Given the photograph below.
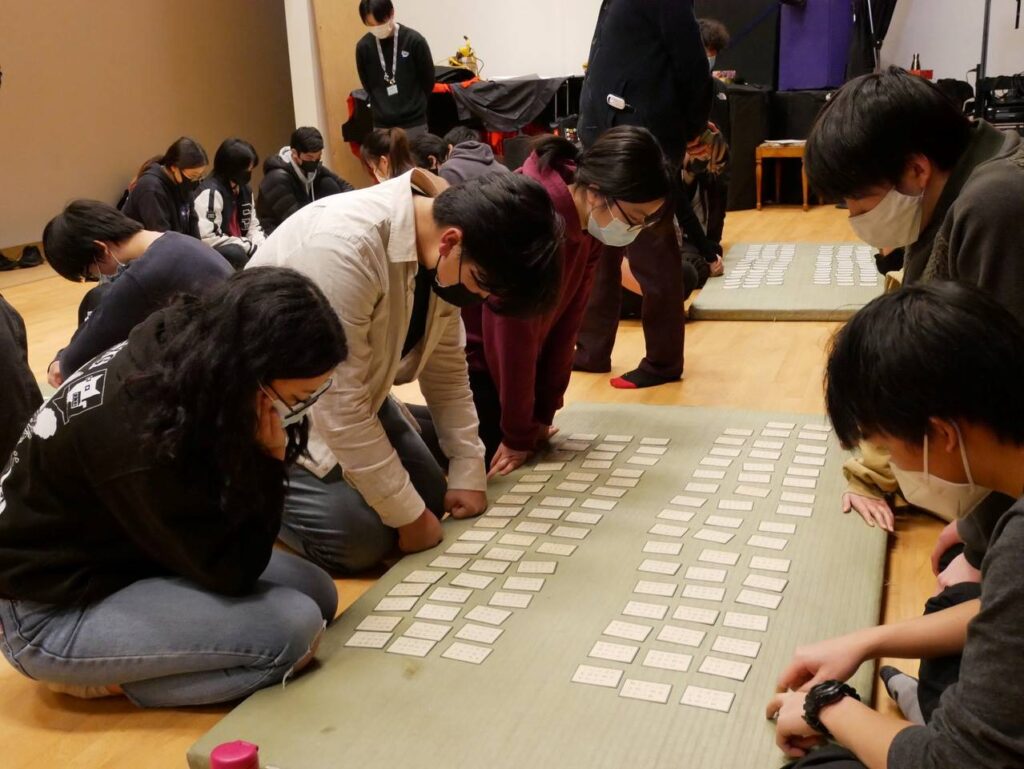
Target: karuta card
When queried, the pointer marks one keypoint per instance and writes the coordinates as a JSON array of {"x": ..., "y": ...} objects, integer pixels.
[
  {"x": 451, "y": 595},
  {"x": 475, "y": 535},
  {"x": 708, "y": 699},
  {"x": 695, "y": 614},
  {"x": 491, "y": 523},
  {"x": 799, "y": 498},
  {"x": 704, "y": 592},
  {"x": 667, "y": 660},
  {"x": 645, "y": 610},
  {"x": 663, "y": 548},
  {"x": 532, "y": 527},
  {"x": 705, "y": 574},
  {"x": 710, "y": 535},
  {"x": 769, "y": 564},
  {"x": 753, "y": 491},
  {"x": 625, "y": 472},
  {"x": 684, "y": 501},
  {"x": 649, "y": 587},
  {"x": 556, "y": 548},
  {"x": 536, "y": 478},
  {"x": 614, "y": 652},
  {"x": 408, "y": 588},
  {"x": 413, "y": 647},
  {"x": 428, "y": 630},
  {"x": 738, "y": 431},
  {"x": 505, "y": 554},
  {"x": 667, "y": 530},
  {"x": 570, "y": 532},
  {"x": 517, "y": 540},
  {"x": 511, "y": 600},
  {"x": 475, "y": 581},
  {"x": 618, "y": 438},
  {"x": 582, "y": 477},
  {"x": 774, "y": 527},
  {"x": 597, "y": 676},
  {"x": 578, "y": 517},
  {"x": 631, "y": 631},
  {"x": 424, "y": 576},
  {"x": 721, "y": 557},
  {"x": 762, "y": 582},
  {"x": 681, "y": 635},
  {"x": 668, "y": 514},
  {"x": 549, "y": 467},
  {"x": 756, "y": 598},
  {"x": 771, "y": 543},
  {"x": 375, "y": 623},
  {"x": 558, "y": 501},
  {"x": 462, "y": 652},
  {"x": 363, "y": 639},
  {"x": 529, "y": 584},
  {"x": 738, "y": 646},
  {"x": 395, "y": 604},
  {"x": 716, "y": 666},
  {"x": 504, "y": 512},
  {"x": 641, "y": 460},
  {"x": 592, "y": 464},
  {"x": 488, "y": 615},
  {"x": 438, "y": 612},
  {"x": 741, "y": 621},
  {"x": 795, "y": 510},
  {"x": 712, "y": 475},
  {"x": 513, "y": 499},
  {"x": 648, "y": 691},
  {"x": 537, "y": 567},
  {"x": 716, "y": 462},
  {"x": 479, "y": 633},
  {"x": 488, "y": 566},
  {"x": 655, "y": 441},
  {"x": 700, "y": 488},
  {"x": 623, "y": 483},
  {"x": 653, "y": 566},
  {"x": 599, "y": 504}
]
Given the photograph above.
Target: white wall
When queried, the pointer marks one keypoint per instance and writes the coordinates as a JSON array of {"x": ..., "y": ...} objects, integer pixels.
[
  {"x": 544, "y": 37},
  {"x": 304, "y": 60},
  {"x": 947, "y": 34}
]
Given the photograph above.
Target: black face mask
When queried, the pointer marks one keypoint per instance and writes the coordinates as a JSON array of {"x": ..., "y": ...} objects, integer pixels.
[
  {"x": 187, "y": 186},
  {"x": 456, "y": 294},
  {"x": 242, "y": 178},
  {"x": 309, "y": 166}
]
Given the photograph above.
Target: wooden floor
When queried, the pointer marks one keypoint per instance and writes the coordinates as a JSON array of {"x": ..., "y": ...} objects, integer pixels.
[{"x": 743, "y": 365}]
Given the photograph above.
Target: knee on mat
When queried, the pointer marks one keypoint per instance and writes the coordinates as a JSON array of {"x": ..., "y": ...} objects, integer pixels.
[
  {"x": 321, "y": 588},
  {"x": 354, "y": 550},
  {"x": 298, "y": 623}
]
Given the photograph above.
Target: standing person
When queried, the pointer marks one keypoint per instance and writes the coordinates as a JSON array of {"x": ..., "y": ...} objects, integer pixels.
[
  {"x": 21, "y": 393},
  {"x": 227, "y": 217},
  {"x": 93, "y": 241},
  {"x": 396, "y": 69},
  {"x": 140, "y": 509},
  {"x": 295, "y": 177},
  {"x": 162, "y": 197},
  {"x": 519, "y": 368},
  {"x": 648, "y": 68},
  {"x": 397, "y": 261},
  {"x": 386, "y": 154}
]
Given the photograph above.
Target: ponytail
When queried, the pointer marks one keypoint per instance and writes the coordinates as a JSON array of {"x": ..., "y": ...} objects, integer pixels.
[
  {"x": 554, "y": 150},
  {"x": 392, "y": 143}
]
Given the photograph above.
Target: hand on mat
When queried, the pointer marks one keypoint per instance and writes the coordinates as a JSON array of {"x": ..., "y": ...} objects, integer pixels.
[
  {"x": 506, "y": 460},
  {"x": 836, "y": 658},
  {"x": 875, "y": 512},
  {"x": 717, "y": 268},
  {"x": 957, "y": 572},
  {"x": 792, "y": 734},
  {"x": 53, "y": 375},
  {"x": 422, "y": 534},
  {"x": 462, "y": 503},
  {"x": 269, "y": 432},
  {"x": 948, "y": 537}
]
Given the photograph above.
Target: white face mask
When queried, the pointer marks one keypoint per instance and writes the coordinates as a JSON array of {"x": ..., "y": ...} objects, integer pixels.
[
  {"x": 950, "y": 501},
  {"x": 616, "y": 234},
  {"x": 895, "y": 222},
  {"x": 291, "y": 415},
  {"x": 383, "y": 31}
]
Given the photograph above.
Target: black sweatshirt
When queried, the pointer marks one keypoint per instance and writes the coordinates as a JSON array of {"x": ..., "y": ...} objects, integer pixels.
[
  {"x": 160, "y": 205},
  {"x": 408, "y": 107},
  {"x": 173, "y": 264},
  {"x": 21, "y": 395},
  {"x": 86, "y": 509}
]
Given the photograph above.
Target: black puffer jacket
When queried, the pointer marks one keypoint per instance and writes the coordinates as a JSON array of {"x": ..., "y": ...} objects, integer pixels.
[{"x": 283, "y": 192}]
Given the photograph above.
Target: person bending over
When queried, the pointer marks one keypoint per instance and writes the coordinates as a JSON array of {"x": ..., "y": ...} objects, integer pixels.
[
  {"x": 139, "y": 511},
  {"x": 397, "y": 261},
  {"x": 385, "y": 153},
  {"x": 428, "y": 152},
  {"x": 140, "y": 271},
  {"x": 227, "y": 217}
]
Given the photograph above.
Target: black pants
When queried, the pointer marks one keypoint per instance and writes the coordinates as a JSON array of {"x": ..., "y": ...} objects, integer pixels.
[{"x": 488, "y": 411}]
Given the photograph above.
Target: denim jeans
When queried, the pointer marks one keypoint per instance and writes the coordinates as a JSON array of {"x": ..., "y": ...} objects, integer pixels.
[
  {"x": 169, "y": 643},
  {"x": 329, "y": 522}
]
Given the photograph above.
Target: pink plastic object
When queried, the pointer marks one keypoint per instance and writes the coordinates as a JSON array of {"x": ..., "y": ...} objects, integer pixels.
[{"x": 235, "y": 755}]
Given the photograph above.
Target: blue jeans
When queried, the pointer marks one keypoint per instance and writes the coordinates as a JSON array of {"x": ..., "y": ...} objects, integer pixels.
[
  {"x": 169, "y": 643},
  {"x": 329, "y": 521}
]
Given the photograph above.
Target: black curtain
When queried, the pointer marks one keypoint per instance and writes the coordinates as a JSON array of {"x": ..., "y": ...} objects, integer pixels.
[{"x": 864, "y": 44}]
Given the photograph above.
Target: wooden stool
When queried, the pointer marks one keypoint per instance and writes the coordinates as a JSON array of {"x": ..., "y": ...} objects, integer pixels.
[{"x": 780, "y": 153}]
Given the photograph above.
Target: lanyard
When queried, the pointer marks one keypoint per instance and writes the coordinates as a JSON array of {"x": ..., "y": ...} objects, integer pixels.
[{"x": 392, "y": 78}]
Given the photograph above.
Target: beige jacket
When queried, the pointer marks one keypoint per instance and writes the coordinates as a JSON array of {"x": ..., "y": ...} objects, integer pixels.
[{"x": 360, "y": 249}]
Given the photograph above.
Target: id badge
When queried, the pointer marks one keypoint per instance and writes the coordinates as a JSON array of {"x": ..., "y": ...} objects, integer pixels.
[{"x": 393, "y": 90}]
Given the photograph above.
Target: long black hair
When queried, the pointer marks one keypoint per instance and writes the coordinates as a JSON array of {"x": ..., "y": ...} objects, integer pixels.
[
  {"x": 261, "y": 324},
  {"x": 234, "y": 157},
  {"x": 390, "y": 143},
  {"x": 184, "y": 153},
  {"x": 625, "y": 163}
]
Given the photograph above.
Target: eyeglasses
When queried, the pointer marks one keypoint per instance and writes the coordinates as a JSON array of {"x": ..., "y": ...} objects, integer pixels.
[
  {"x": 633, "y": 226},
  {"x": 299, "y": 406}
]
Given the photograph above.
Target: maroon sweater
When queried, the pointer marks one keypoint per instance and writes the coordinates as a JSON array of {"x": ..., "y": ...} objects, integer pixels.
[{"x": 530, "y": 359}]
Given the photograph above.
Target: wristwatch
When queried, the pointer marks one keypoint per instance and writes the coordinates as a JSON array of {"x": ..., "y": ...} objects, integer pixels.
[{"x": 821, "y": 696}]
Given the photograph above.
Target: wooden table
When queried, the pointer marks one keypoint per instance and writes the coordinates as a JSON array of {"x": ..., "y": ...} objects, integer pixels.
[{"x": 780, "y": 153}]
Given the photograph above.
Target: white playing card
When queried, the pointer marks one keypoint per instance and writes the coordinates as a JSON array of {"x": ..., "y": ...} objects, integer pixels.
[
  {"x": 716, "y": 462},
  {"x": 668, "y": 514},
  {"x": 424, "y": 576},
  {"x": 761, "y": 582},
  {"x": 819, "y": 428},
  {"x": 804, "y": 472},
  {"x": 667, "y": 530},
  {"x": 479, "y": 633},
  {"x": 623, "y": 483},
  {"x": 800, "y": 459},
  {"x": 704, "y": 574},
  {"x": 549, "y": 467},
  {"x": 395, "y": 604},
  {"x": 574, "y": 445},
  {"x": 758, "y": 467},
  {"x": 639, "y": 460},
  {"x": 505, "y": 554},
  {"x": 723, "y": 521},
  {"x": 582, "y": 477},
  {"x": 645, "y": 690},
  {"x": 753, "y": 491},
  {"x": 720, "y": 451},
  {"x": 583, "y": 437},
  {"x": 770, "y": 543},
  {"x": 663, "y": 548},
  {"x": 681, "y": 635},
  {"x": 725, "y": 440},
  {"x": 526, "y": 488},
  {"x": 576, "y": 488},
  {"x": 775, "y": 433},
  {"x": 773, "y": 445},
  {"x": 742, "y": 621},
  {"x": 774, "y": 527},
  {"x": 618, "y": 438},
  {"x": 781, "y": 425},
  {"x": 799, "y": 483},
  {"x": 667, "y": 660},
  {"x": 809, "y": 449},
  {"x": 709, "y": 699},
  {"x": 491, "y": 523},
  {"x": 413, "y": 647},
  {"x": 795, "y": 496},
  {"x": 761, "y": 454},
  {"x": 699, "y": 488},
  {"x": 601, "y": 456},
  {"x": 810, "y": 435},
  {"x": 710, "y": 535},
  {"x": 556, "y": 548},
  {"x": 449, "y": 561},
  {"x": 379, "y": 624},
  {"x": 362, "y": 639},
  {"x": 722, "y": 557},
  {"x": 558, "y": 501},
  {"x": 625, "y": 472},
  {"x": 451, "y": 594},
  {"x": 408, "y": 588},
  {"x": 536, "y": 478},
  {"x": 645, "y": 610},
  {"x": 756, "y": 598},
  {"x": 615, "y": 652},
  {"x": 427, "y": 630},
  {"x": 511, "y": 600},
  {"x": 513, "y": 499},
  {"x": 570, "y": 532},
  {"x": 546, "y": 513},
  {"x": 607, "y": 491},
  {"x": 683, "y": 501},
  {"x": 475, "y": 581},
  {"x": 704, "y": 592},
  {"x": 488, "y": 566},
  {"x": 754, "y": 478},
  {"x": 713, "y": 475},
  {"x": 597, "y": 676},
  {"x": 769, "y": 564},
  {"x": 794, "y": 510},
  {"x": 517, "y": 540},
  {"x": 537, "y": 567},
  {"x": 530, "y": 584},
  {"x": 592, "y": 464},
  {"x": 648, "y": 587},
  {"x": 739, "y": 505},
  {"x": 631, "y": 631},
  {"x": 437, "y": 612},
  {"x": 578, "y": 517},
  {"x": 466, "y": 653},
  {"x": 474, "y": 535},
  {"x": 599, "y": 504},
  {"x": 737, "y": 431},
  {"x": 738, "y": 646},
  {"x": 716, "y": 666},
  {"x": 656, "y": 451},
  {"x": 655, "y": 441},
  {"x": 488, "y": 615},
  {"x": 654, "y": 566},
  {"x": 532, "y": 527},
  {"x": 504, "y": 512},
  {"x": 693, "y": 614}
]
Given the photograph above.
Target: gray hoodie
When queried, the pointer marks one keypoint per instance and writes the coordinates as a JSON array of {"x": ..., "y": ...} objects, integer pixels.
[{"x": 470, "y": 160}]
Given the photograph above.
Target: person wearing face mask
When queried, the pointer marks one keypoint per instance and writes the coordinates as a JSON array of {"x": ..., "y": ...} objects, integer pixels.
[
  {"x": 962, "y": 431},
  {"x": 396, "y": 69},
  {"x": 139, "y": 511},
  {"x": 162, "y": 196},
  {"x": 519, "y": 368},
  {"x": 227, "y": 217},
  {"x": 295, "y": 177},
  {"x": 918, "y": 175},
  {"x": 93, "y": 241},
  {"x": 397, "y": 261},
  {"x": 386, "y": 153}
]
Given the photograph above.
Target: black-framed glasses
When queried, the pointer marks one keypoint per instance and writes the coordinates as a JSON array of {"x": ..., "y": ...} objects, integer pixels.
[
  {"x": 633, "y": 226},
  {"x": 304, "y": 405}
]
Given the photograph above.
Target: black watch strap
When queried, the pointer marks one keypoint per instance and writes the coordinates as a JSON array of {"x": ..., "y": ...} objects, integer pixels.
[{"x": 821, "y": 696}]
